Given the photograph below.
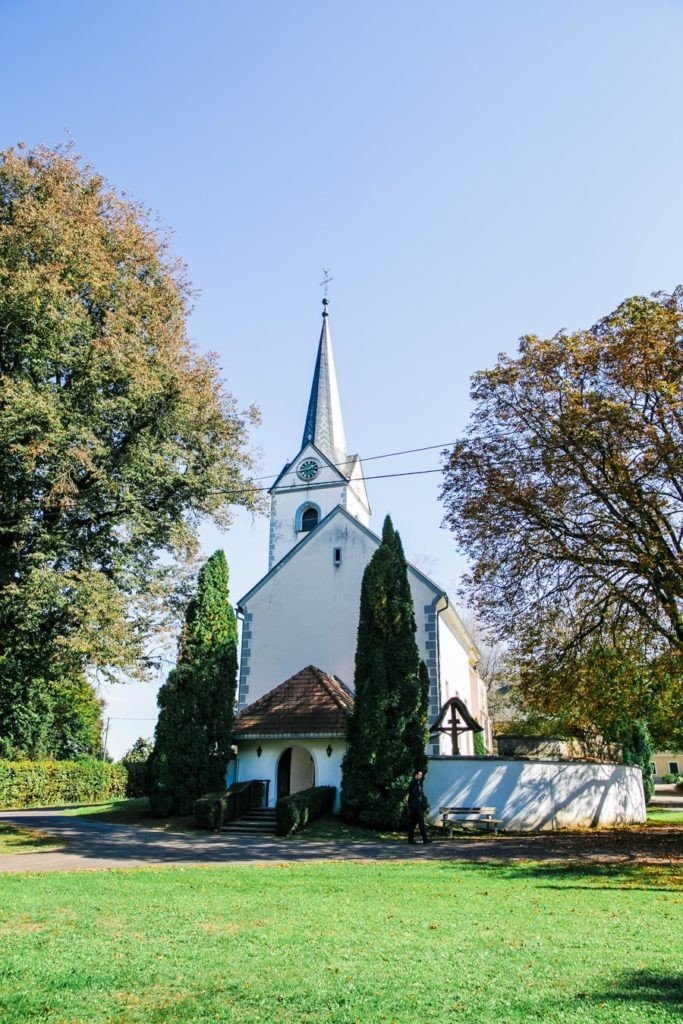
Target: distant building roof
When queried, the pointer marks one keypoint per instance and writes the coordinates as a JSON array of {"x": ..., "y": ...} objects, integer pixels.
[{"x": 310, "y": 703}]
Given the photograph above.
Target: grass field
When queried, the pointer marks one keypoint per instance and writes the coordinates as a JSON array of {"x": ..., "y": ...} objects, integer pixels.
[
  {"x": 24, "y": 840},
  {"x": 340, "y": 943}
]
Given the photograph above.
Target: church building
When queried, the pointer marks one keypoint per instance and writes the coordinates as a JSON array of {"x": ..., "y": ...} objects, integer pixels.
[{"x": 299, "y": 622}]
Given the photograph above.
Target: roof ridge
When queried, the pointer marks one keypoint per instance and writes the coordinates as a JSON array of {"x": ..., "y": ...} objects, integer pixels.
[
  {"x": 328, "y": 682},
  {"x": 331, "y": 684}
]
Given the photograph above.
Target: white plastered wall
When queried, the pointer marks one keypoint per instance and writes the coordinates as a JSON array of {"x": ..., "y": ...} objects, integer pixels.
[
  {"x": 307, "y": 612},
  {"x": 327, "y": 769},
  {"x": 456, "y": 681},
  {"x": 325, "y": 492},
  {"x": 532, "y": 796}
]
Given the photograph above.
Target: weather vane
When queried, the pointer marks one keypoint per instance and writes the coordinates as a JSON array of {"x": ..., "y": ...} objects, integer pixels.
[{"x": 326, "y": 280}]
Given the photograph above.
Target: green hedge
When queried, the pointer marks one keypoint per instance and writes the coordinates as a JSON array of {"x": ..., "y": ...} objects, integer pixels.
[
  {"x": 138, "y": 781},
  {"x": 292, "y": 813},
  {"x": 40, "y": 783},
  {"x": 209, "y": 810}
]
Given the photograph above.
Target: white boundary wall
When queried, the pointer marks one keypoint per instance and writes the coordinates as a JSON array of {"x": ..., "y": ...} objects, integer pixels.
[{"x": 534, "y": 795}]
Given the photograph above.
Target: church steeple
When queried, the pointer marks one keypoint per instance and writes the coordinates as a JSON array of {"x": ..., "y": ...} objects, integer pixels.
[
  {"x": 323, "y": 475},
  {"x": 324, "y": 425}
]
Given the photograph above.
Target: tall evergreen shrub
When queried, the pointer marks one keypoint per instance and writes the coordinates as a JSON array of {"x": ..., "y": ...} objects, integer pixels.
[
  {"x": 387, "y": 731},
  {"x": 192, "y": 739},
  {"x": 479, "y": 745},
  {"x": 636, "y": 745}
]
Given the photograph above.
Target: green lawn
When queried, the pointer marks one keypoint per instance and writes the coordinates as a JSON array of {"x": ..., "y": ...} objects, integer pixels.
[
  {"x": 664, "y": 816},
  {"x": 14, "y": 839},
  {"x": 338, "y": 943},
  {"x": 131, "y": 811}
]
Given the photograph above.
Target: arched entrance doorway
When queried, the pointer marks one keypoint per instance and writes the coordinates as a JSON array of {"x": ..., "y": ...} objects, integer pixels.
[{"x": 295, "y": 771}]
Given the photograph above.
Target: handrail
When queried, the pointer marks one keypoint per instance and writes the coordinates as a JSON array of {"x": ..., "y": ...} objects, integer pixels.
[{"x": 241, "y": 798}]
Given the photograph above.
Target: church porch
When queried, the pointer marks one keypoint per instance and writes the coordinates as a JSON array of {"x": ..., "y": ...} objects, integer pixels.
[{"x": 290, "y": 763}]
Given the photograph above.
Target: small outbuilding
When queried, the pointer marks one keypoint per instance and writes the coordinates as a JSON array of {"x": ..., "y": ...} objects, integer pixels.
[{"x": 294, "y": 736}]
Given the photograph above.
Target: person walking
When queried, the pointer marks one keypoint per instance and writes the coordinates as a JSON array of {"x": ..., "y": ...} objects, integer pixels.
[{"x": 415, "y": 807}]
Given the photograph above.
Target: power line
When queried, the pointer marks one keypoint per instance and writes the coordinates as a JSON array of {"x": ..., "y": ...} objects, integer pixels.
[
  {"x": 336, "y": 465},
  {"x": 371, "y": 458},
  {"x": 312, "y": 487},
  {"x": 113, "y": 718}
]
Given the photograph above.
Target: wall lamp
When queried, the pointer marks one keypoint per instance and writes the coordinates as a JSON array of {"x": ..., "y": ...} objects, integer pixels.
[{"x": 329, "y": 750}]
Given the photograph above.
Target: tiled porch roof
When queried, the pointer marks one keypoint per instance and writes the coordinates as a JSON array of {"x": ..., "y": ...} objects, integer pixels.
[{"x": 309, "y": 703}]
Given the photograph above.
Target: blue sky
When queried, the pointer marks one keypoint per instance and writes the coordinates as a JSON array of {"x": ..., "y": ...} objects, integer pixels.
[{"x": 470, "y": 172}]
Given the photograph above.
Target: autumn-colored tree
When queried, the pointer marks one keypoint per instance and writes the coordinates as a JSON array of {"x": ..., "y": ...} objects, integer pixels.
[
  {"x": 567, "y": 495},
  {"x": 116, "y": 436}
]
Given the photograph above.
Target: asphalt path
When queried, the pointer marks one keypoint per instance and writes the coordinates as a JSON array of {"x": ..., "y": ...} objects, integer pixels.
[{"x": 92, "y": 845}]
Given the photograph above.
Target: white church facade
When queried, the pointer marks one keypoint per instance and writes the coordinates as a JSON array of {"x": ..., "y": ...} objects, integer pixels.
[{"x": 299, "y": 622}]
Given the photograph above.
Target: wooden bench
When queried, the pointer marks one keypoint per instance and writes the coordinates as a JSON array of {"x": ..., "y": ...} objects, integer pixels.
[{"x": 483, "y": 817}]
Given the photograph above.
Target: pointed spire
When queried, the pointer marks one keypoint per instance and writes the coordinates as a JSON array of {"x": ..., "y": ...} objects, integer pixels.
[{"x": 324, "y": 425}]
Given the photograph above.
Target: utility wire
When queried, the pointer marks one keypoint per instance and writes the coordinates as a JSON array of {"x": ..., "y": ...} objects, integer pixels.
[
  {"x": 312, "y": 487},
  {"x": 337, "y": 465},
  {"x": 371, "y": 458},
  {"x": 114, "y": 718}
]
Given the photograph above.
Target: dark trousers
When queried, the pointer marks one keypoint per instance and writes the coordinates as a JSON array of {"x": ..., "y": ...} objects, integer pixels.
[{"x": 416, "y": 819}]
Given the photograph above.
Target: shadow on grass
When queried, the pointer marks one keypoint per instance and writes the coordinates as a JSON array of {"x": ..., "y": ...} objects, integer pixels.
[
  {"x": 15, "y": 839},
  {"x": 638, "y": 996},
  {"x": 570, "y": 875},
  {"x": 644, "y": 987},
  {"x": 133, "y": 811}
]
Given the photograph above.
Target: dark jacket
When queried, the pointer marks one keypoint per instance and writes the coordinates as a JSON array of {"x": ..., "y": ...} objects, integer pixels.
[{"x": 415, "y": 795}]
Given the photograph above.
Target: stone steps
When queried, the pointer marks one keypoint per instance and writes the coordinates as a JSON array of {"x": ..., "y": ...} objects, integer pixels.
[{"x": 259, "y": 822}]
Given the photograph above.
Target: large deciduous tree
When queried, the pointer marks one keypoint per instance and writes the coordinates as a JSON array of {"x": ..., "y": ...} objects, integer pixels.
[
  {"x": 116, "y": 436},
  {"x": 567, "y": 495},
  {"x": 52, "y": 718},
  {"x": 193, "y": 734},
  {"x": 387, "y": 730}
]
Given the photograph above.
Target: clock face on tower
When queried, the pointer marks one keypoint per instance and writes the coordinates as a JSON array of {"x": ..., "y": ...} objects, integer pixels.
[{"x": 308, "y": 470}]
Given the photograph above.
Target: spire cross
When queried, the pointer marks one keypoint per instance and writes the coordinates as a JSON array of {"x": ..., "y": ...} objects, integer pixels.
[{"x": 324, "y": 283}]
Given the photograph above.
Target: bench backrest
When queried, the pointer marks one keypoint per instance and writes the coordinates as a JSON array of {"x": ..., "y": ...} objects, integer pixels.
[{"x": 467, "y": 810}]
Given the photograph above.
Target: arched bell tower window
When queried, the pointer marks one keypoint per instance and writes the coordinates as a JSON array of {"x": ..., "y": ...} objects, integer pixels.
[{"x": 307, "y": 518}]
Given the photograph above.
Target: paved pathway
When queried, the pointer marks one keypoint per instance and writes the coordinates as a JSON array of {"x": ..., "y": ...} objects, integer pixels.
[
  {"x": 96, "y": 845},
  {"x": 667, "y": 796}
]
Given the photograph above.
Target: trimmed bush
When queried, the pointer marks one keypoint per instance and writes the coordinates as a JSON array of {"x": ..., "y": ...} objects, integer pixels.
[
  {"x": 215, "y": 809},
  {"x": 292, "y": 813},
  {"x": 209, "y": 810},
  {"x": 136, "y": 763},
  {"x": 31, "y": 783},
  {"x": 138, "y": 777}
]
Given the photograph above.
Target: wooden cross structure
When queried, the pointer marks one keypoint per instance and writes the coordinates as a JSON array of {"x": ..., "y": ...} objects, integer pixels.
[{"x": 455, "y": 725}]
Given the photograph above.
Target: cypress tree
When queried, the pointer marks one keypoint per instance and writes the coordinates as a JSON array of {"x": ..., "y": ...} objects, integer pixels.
[
  {"x": 196, "y": 704},
  {"x": 387, "y": 731}
]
